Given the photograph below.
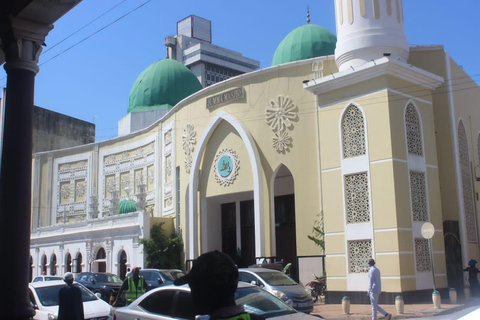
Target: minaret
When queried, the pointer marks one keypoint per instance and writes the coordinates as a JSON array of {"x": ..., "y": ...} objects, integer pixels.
[{"x": 368, "y": 30}]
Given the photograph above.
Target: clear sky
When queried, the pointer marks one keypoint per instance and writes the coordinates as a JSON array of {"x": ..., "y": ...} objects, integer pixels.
[{"x": 89, "y": 75}]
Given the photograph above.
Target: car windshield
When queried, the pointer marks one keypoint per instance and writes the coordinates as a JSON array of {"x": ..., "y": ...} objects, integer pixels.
[
  {"x": 107, "y": 278},
  {"x": 276, "y": 279},
  {"x": 48, "y": 296},
  {"x": 259, "y": 302},
  {"x": 172, "y": 275}
]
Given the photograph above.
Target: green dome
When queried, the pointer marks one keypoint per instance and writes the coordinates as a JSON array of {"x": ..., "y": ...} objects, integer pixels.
[
  {"x": 305, "y": 42},
  {"x": 126, "y": 206},
  {"x": 162, "y": 85}
]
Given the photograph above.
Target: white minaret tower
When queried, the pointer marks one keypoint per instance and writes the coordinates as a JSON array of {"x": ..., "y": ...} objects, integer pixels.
[{"x": 368, "y": 30}]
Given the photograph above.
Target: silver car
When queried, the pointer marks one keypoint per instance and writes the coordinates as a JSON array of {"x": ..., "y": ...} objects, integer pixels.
[
  {"x": 171, "y": 302},
  {"x": 280, "y": 285}
]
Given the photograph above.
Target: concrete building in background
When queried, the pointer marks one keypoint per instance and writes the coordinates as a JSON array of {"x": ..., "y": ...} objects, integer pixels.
[
  {"x": 366, "y": 134},
  {"x": 192, "y": 46},
  {"x": 53, "y": 130}
]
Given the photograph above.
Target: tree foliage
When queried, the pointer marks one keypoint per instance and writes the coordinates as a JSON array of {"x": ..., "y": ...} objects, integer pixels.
[
  {"x": 161, "y": 250},
  {"x": 318, "y": 235}
]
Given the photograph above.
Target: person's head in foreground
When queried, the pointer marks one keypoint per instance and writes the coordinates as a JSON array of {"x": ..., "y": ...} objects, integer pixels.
[
  {"x": 371, "y": 262},
  {"x": 213, "y": 281},
  {"x": 68, "y": 277}
]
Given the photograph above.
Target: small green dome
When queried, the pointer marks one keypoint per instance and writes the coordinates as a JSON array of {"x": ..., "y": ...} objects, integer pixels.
[
  {"x": 162, "y": 85},
  {"x": 126, "y": 206},
  {"x": 305, "y": 42}
]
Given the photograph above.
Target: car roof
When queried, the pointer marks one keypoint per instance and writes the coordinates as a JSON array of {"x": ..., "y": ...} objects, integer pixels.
[
  {"x": 52, "y": 283},
  {"x": 162, "y": 270},
  {"x": 258, "y": 270}
]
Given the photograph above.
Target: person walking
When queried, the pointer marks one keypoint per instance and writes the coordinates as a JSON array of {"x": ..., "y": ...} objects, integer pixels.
[
  {"x": 472, "y": 277},
  {"x": 213, "y": 281},
  {"x": 70, "y": 303},
  {"x": 374, "y": 290},
  {"x": 133, "y": 287}
]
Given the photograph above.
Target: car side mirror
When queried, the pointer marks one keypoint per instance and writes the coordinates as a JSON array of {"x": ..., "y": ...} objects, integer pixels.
[
  {"x": 98, "y": 295},
  {"x": 254, "y": 282},
  {"x": 159, "y": 280}
]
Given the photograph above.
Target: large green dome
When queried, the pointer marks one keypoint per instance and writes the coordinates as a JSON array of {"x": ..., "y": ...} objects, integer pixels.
[
  {"x": 305, "y": 42},
  {"x": 162, "y": 85}
]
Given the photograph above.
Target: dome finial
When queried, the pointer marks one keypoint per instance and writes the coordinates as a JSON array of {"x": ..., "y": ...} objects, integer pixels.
[{"x": 308, "y": 14}]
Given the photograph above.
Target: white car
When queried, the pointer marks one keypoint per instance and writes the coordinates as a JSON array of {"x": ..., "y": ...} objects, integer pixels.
[
  {"x": 171, "y": 302},
  {"x": 44, "y": 299}
]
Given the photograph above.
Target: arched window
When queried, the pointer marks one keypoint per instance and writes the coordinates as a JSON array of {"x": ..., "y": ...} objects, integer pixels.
[
  {"x": 100, "y": 254},
  {"x": 68, "y": 263},
  {"x": 414, "y": 132},
  {"x": 353, "y": 133},
  {"x": 467, "y": 187},
  {"x": 53, "y": 265},
  {"x": 44, "y": 265}
]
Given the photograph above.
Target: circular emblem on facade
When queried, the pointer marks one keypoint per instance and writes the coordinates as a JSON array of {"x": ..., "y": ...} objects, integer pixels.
[{"x": 226, "y": 166}]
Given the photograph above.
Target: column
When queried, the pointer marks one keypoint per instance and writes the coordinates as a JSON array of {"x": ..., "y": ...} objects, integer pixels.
[{"x": 21, "y": 52}]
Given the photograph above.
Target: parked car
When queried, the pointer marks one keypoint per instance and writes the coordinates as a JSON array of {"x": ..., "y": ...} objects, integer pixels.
[
  {"x": 280, "y": 285},
  {"x": 171, "y": 302},
  {"x": 44, "y": 300},
  {"x": 160, "y": 277},
  {"x": 104, "y": 283},
  {"x": 46, "y": 278}
]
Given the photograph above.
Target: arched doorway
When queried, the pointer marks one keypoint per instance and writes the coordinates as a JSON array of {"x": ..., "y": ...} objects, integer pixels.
[
  {"x": 68, "y": 262},
  {"x": 30, "y": 277},
  {"x": 100, "y": 263},
  {"x": 284, "y": 208},
  {"x": 44, "y": 265},
  {"x": 53, "y": 264},
  {"x": 210, "y": 220},
  {"x": 122, "y": 264}
]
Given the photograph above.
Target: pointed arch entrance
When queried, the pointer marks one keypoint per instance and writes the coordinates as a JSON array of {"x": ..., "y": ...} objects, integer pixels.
[
  {"x": 53, "y": 264},
  {"x": 256, "y": 207},
  {"x": 68, "y": 262},
  {"x": 44, "y": 264},
  {"x": 284, "y": 215},
  {"x": 100, "y": 263},
  {"x": 122, "y": 264}
]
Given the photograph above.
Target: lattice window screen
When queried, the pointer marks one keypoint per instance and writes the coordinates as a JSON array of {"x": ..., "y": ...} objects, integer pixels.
[
  {"x": 466, "y": 184},
  {"x": 418, "y": 196},
  {"x": 357, "y": 201},
  {"x": 414, "y": 133},
  {"x": 422, "y": 255},
  {"x": 353, "y": 133},
  {"x": 359, "y": 252}
]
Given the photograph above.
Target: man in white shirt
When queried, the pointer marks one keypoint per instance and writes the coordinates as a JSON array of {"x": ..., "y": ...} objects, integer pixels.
[{"x": 374, "y": 290}]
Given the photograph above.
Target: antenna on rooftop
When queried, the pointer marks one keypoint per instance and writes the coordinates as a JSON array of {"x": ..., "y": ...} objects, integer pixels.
[{"x": 308, "y": 14}]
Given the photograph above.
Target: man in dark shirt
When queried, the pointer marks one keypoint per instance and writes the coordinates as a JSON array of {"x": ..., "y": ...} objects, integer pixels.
[
  {"x": 213, "y": 281},
  {"x": 70, "y": 303}
]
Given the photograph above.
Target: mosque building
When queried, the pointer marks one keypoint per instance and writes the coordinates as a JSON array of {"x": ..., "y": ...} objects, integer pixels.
[{"x": 360, "y": 131}]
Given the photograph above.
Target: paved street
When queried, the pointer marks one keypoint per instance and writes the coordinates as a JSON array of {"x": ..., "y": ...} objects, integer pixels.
[{"x": 417, "y": 311}]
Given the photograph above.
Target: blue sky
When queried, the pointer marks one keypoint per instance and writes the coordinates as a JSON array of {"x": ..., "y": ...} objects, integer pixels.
[{"x": 92, "y": 80}]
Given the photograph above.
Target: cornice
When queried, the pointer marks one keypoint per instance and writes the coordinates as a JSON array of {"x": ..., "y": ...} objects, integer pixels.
[{"x": 372, "y": 70}]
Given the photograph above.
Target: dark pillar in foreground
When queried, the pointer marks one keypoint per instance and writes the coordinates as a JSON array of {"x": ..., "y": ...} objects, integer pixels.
[{"x": 22, "y": 53}]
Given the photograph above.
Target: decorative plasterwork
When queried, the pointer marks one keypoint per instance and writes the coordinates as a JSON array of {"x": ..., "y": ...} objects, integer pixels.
[
  {"x": 226, "y": 166},
  {"x": 189, "y": 141},
  {"x": 168, "y": 169},
  {"x": 72, "y": 189},
  {"x": 371, "y": 70},
  {"x": 279, "y": 117}
]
